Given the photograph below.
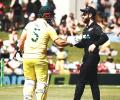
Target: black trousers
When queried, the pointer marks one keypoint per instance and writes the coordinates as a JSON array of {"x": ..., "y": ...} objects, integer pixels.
[{"x": 88, "y": 74}]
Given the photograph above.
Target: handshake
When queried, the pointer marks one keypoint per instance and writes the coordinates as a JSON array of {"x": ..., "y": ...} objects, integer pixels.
[{"x": 73, "y": 40}]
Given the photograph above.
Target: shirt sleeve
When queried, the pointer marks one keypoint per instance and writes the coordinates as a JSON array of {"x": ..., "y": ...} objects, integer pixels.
[
  {"x": 81, "y": 44},
  {"x": 52, "y": 33},
  {"x": 103, "y": 37}
]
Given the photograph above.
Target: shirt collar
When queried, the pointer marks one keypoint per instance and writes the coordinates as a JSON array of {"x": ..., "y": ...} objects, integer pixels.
[{"x": 91, "y": 23}]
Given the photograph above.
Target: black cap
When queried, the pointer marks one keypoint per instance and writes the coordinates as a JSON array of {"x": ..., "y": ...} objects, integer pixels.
[{"x": 89, "y": 9}]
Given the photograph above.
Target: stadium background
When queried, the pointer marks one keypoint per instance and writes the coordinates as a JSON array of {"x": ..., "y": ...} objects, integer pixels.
[{"x": 55, "y": 79}]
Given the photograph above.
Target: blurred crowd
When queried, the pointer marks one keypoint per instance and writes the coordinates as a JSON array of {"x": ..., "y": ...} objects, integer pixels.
[{"x": 16, "y": 15}]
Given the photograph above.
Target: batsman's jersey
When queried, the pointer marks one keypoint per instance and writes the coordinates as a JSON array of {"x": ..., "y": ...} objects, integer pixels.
[{"x": 38, "y": 34}]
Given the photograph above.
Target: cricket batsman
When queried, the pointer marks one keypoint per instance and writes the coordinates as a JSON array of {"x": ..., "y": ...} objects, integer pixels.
[{"x": 33, "y": 43}]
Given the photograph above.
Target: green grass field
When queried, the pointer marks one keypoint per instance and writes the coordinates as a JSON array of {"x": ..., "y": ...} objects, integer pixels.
[{"x": 62, "y": 92}]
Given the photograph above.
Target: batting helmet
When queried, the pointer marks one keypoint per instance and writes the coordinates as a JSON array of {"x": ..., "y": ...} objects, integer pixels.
[{"x": 46, "y": 12}]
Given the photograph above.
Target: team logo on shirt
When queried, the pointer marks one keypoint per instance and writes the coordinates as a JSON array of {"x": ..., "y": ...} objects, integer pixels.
[
  {"x": 86, "y": 36},
  {"x": 90, "y": 29}
]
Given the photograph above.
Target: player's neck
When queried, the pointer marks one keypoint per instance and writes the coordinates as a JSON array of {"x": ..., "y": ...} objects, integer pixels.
[{"x": 90, "y": 22}]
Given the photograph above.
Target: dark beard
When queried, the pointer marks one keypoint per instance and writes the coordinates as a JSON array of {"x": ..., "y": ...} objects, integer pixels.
[{"x": 86, "y": 21}]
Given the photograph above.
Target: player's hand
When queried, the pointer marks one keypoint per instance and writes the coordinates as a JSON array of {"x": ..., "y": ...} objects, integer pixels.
[
  {"x": 91, "y": 47},
  {"x": 78, "y": 38},
  {"x": 72, "y": 40}
]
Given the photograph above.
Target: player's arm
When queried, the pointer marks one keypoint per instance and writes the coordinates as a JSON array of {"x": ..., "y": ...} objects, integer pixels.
[
  {"x": 22, "y": 40},
  {"x": 103, "y": 38},
  {"x": 57, "y": 40},
  {"x": 60, "y": 42},
  {"x": 74, "y": 40}
]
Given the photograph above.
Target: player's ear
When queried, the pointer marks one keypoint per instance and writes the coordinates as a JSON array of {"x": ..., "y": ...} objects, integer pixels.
[{"x": 90, "y": 15}]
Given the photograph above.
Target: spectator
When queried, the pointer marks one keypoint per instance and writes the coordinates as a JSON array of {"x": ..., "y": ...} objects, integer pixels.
[
  {"x": 13, "y": 36},
  {"x": 5, "y": 23},
  {"x": 7, "y": 69},
  {"x": 110, "y": 64},
  {"x": 11, "y": 50},
  {"x": 32, "y": 17},
  {"x": 38, "y": 5},
  {"x": 102, "y": 68},
  {"x": 63, "y": 20},
  {"x": 2, "y": 6},
  {"x": 116, "y": 9},
  {"x": 25, "y": 14},
  {"x": 116, "y": 29},
  {"x": 51, "y": 64},
  {"x": 31, "y": 7},
  {"x": 17, "y": 13},
  {"x": 92, "y": 3},
  {"x": 1, "y": 44},
  {"x": 104, "y": 8},
  {"x": 118, "y": 22},
  {"x": 61, "y": 60},
  {"x": 105, "y": 48},
  {"x": 63, "y": 31},
  {"x": 3, "y": 51},
  {"x": 72, "y": 24},
  {"x": 16, "y": 66},
  {"x": 51, "y": 4},
  {"x": 10, "y": 16},
  {"x": 110, "y": 58}
]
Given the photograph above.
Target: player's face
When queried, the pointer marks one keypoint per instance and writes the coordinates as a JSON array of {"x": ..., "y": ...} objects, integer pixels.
[
  {"x": 49, "y": 18},
  {"x": 85, "y": 18},
  {"x": 50, "y": 21}
]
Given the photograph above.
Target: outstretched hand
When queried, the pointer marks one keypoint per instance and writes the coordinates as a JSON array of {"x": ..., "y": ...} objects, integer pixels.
[{"x": 72, "y": 40}]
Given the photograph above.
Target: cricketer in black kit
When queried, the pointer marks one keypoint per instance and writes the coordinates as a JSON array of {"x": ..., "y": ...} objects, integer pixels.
[{"x": 92, "y": 38}]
